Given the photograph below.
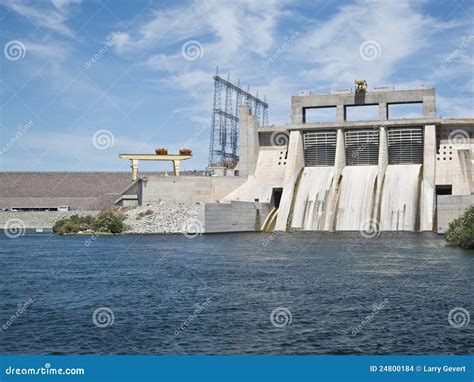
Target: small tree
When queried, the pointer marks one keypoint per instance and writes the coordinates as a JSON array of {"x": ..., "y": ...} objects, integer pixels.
[{"x": 461, "y": 231}]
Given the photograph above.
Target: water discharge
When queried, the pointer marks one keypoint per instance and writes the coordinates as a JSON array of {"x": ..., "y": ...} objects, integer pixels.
[
  {"x": 312, "y": 196},
  {"x": 400, "y": 197},
  {"x": 356, "y": 198}
]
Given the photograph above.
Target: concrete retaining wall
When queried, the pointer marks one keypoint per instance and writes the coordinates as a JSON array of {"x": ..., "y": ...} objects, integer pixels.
[
  {"x": 451, "y": 207},
  {"x": 235, "y": 216},
  {"x": 187, "y": 189}
]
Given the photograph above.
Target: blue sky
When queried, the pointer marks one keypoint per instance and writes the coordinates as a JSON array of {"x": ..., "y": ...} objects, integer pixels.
[{"x": 119, "y": 71}]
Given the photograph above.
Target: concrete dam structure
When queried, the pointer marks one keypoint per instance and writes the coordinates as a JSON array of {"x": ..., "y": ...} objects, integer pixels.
[
  {"x": 336, "y": 173},
  {"x": 353, "y": 175}
]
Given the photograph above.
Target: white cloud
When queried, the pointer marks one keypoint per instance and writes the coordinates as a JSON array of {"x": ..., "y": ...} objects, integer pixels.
[
  {"x": 50, "y": 17},
  {"x": 63, "y": 5},
  {"x": 332, "y": 46},
  {"x": 53, "y": 51},
  {"x": 121, "y": 41}
]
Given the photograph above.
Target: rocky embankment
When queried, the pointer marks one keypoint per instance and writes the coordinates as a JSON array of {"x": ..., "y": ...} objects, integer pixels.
[
  {"x": 153, "y": 218},
  {"x": 163, "y": 218}
]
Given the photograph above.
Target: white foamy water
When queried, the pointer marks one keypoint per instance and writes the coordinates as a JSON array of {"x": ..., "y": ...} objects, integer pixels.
[
  {"x": 400, "y": 197},
  {"x": 356, "y": 197},
  {"x": 309, "y": 212}
]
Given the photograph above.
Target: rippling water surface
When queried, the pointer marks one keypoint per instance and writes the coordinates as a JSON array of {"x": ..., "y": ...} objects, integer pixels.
[{"x": 331, "y": 293}]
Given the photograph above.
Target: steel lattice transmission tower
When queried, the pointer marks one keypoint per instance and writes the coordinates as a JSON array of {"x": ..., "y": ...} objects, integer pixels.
[{"x": 224, "y": 142}]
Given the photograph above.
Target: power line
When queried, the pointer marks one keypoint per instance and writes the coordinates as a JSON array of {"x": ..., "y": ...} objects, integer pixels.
[{"x": 224, "y": 140}]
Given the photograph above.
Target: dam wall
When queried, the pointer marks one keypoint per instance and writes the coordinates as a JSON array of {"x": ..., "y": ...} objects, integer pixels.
[
  {"x": 179, "y": 189},
  {"x": 346, "y": 175},
  {"x": 235, "y": 216}
]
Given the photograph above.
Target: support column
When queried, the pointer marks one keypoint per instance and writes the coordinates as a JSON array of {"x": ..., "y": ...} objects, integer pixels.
[
  {"x": 176, "y": 164},
  {"x": 382, "y": 167},
  {"x": 294, "y": 165},
  {"x": 341, "y": 113},
  {"x": 339, "y": 164},
  {"x": 134, "y": 166},
  {"x": 428, "y": 190},
  {"x": 297, "y": 113},
  {"x": 383, "y": 111},
  {"x": 248, "y": 140}
]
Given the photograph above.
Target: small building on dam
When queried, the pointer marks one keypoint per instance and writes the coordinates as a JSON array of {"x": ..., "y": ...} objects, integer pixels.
[{"x": 329, "y": 171}]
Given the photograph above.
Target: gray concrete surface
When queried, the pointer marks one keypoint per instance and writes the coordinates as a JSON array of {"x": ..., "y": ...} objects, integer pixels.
[
  {"x": 235, "y": 216},
  {"x": 450, "y": 207}
]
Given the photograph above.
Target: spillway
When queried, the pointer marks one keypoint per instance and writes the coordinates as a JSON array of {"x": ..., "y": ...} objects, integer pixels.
[
  {"x": 312, "y": 196},
  {"x": 356, "y": 197},
  {"x": 400, "y": 198}
]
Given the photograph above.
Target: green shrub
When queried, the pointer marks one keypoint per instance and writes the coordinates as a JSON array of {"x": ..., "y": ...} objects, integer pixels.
[
  {"x": 110, "y": 220},
  {"x": 461, "y": 230}
]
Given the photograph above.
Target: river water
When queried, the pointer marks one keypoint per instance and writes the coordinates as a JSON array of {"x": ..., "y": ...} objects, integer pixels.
[{"x": 330, "y": 293}]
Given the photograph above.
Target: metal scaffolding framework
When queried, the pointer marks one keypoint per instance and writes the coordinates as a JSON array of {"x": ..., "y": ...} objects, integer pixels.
[{"x": 224, "y": 140}]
